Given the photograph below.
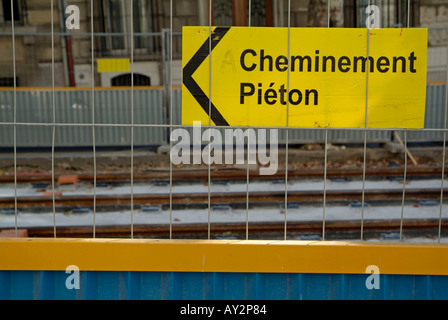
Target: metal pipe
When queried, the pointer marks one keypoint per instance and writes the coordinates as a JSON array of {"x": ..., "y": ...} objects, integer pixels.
[
  {"x": 63, "y": 45},
  {"x": 202, "y": 9},
  {"x": 275, "y": 13}
]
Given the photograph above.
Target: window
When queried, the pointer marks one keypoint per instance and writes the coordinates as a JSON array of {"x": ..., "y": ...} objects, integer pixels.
[
  {"x": 5, "y": 11},
  {"x": 393, "y": 13},
  {"x": 227, "y": 13},
  {"x": 117, "y": 19}
]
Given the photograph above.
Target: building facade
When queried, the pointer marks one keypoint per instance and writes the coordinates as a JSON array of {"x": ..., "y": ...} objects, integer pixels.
[{"x": 35, "y": 49}]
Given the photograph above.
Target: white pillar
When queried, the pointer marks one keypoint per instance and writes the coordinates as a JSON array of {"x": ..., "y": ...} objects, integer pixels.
[{"x": 203, "y": 12}]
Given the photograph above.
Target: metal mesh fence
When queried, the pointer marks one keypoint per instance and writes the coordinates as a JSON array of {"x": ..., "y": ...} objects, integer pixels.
[{"x": 55, "y": 97}]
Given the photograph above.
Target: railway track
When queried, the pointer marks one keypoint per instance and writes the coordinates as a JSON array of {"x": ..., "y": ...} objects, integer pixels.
[
  {"x": 219, "y": 198},
  {"x": 230, "y": 198},
  {"x": 227, "y": 174}
]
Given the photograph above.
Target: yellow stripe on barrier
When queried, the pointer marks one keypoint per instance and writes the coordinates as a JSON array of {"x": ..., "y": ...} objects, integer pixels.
[
  {"x": 85, "y": 88},
  {"x": 223, "y": 256}
]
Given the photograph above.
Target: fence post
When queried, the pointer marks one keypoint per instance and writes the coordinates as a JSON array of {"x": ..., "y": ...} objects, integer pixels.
[{"x": 166, "y": 71}]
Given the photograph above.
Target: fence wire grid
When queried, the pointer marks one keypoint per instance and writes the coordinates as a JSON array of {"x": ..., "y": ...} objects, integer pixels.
[{"x": 54, "y": 98}]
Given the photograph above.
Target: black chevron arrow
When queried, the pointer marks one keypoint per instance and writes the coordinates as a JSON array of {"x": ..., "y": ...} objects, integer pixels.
[{"x": 191, "y": 68}]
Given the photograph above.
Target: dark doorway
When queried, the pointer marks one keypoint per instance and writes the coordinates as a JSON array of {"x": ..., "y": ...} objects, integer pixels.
[
  {"x": 124, "y": 80},
  {"x": 8, "y": 82}
]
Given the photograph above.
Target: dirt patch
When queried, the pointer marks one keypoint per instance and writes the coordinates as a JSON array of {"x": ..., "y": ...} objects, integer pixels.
[{"x": 305, "y": 157}]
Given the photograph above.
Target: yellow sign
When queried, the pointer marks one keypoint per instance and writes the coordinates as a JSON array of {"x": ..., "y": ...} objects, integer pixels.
[
  {"x": 325, "y": 77},
  {"x": 113, "y": 65}
]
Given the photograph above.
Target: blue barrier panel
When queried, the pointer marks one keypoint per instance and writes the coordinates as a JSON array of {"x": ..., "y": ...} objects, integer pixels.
[{"x": 119, "y": 285}]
